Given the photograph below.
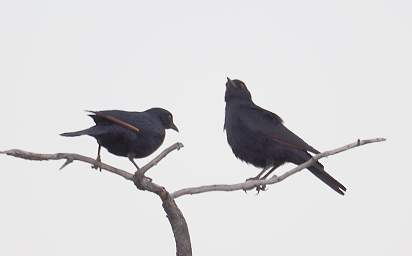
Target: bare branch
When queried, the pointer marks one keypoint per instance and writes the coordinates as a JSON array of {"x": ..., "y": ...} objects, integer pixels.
[
  {"x": 157, "y": 159},
  {"x": 174, "y": 215},
  {"x": 275, "y": 179},
  {"x": 69, "y": 157}
]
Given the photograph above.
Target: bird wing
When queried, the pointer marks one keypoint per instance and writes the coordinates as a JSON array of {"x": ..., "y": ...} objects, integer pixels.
[
  {"x": 270, "y": 124},
  {"x": 110, "y": 118},
  {"x": 284, "y": 136}
]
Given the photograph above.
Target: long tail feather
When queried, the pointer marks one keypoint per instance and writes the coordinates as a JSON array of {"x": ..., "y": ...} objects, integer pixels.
[
  {"x": 74, "y": 134},
  {"x": 327, "y": 179}
]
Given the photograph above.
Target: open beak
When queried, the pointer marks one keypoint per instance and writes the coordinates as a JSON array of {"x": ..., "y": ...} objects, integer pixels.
[{"x": 174, "y": 127}]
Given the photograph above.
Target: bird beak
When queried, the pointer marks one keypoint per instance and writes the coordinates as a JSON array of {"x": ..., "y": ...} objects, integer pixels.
[
  {"x": 229, "y": 83},
  {"x": 174, "y": 127}
]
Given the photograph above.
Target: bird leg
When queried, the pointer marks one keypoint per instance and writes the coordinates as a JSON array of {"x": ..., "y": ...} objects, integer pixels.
[
  {"x": 263, "y": 187},
  {"x": 98, "y": 159},
  {"x": 133, "y": 162},
  {"x": 257, "y": 177},
  {"x": 137, "y": 167},
  {"x": 269, "y": 172}
]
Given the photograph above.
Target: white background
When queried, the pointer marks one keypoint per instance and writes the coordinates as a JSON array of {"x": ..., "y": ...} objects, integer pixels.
[{"x": 335, "y": 71}]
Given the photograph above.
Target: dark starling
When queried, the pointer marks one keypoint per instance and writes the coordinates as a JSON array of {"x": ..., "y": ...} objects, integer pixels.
[
  {"x": 258, "y": 137},
  {"x": 128, "y": 134}
]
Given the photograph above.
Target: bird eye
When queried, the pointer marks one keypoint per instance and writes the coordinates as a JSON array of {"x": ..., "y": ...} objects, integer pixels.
[{"x": 170, "y": 117}]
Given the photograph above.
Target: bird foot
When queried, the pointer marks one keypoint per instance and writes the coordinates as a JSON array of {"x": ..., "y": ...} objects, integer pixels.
[
  {"x": 253, "y": 178},
  {"x": 95, "y": 166},
  {"x": 259, "y": 187}
]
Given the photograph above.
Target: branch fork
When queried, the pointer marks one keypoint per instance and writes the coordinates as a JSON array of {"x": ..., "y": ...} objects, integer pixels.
[{"x": 174, "y": 215}]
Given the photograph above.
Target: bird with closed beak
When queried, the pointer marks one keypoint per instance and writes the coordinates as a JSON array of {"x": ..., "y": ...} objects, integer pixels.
[
  {"x": 129, "y": 134},
  {"x": 258, "y": 136}
]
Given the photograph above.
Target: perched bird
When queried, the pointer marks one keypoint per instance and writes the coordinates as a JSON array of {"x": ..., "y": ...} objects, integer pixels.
[
  {"x": 258, "y": 136},
  {"x": 129, "y": 134}
]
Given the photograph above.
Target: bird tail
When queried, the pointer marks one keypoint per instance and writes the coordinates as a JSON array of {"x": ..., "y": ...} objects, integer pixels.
[
  {"x": 74, "y": 134},
  {"x": 319, "y": 172}
]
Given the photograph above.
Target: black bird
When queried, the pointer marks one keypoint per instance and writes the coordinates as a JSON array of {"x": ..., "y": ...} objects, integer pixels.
[
  {"x": 128, "y": 134},
  {"x": 257, "y": 136}
]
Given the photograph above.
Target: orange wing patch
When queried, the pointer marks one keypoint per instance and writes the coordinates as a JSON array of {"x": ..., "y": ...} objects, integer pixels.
[{"x": 117, "y": 121}]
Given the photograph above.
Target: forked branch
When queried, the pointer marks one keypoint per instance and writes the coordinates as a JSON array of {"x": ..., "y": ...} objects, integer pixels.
[{"x": 174, "y": 215}]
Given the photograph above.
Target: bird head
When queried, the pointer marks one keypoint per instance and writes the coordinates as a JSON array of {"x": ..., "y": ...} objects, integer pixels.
[
  {"x": 236, "y": 89},
  {"x": 166, "y": 118}
]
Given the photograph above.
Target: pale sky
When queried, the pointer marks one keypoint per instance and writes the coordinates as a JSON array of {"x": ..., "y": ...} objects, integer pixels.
[{"x": 335, "y": 71}]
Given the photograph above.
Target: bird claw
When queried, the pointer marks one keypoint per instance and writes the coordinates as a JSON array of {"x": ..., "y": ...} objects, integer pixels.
[
  {"x": 245, "y": 190},
  {"x": 95, "y": 166},
  {"x": 260, "y": 188}
]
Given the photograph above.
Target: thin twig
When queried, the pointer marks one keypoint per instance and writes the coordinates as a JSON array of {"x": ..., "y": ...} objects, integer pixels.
[
  {"x": 68, "y": 161},
  {"x": 157, "y": 159},
  {"x": 275, "y": 179}
]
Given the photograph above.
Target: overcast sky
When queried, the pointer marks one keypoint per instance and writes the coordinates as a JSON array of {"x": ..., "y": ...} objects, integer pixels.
[{"x": 335, "y": 71}]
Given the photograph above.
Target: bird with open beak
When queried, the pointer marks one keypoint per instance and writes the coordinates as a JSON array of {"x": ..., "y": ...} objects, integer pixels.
[{"x": 258, "y": 136}]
